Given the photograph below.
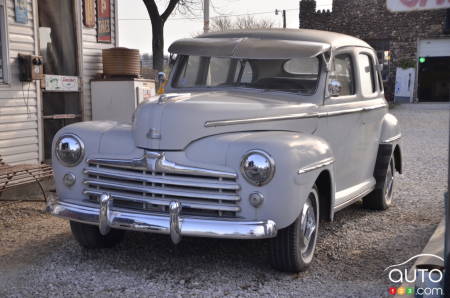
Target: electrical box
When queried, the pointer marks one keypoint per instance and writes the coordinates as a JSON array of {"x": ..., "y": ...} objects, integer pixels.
[
  {"x": 30, "y": 68},
  {"x": 117, "y": 99}
]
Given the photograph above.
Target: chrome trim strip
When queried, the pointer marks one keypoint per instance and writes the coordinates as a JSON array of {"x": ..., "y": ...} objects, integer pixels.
[
  {"x": 190, "y": 226},
  {"x": 155, "y": 161},
  {"x": 316, "y": 165},
  {"x": 149, "y": 200},
  {"x": 163, "y": 191},
  {"x": 393, "y": 139},
  {"x": 117, "y": 174},
  {"x": 353, "y": 200},
  {"x": 215, "y": 123}
]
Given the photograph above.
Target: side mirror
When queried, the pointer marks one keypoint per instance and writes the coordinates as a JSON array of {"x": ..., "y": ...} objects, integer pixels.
[{"x": 334, "y": 88}]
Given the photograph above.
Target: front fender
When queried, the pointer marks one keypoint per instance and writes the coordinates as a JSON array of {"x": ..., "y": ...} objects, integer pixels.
[
  {"x": 390, "y": 129},
  {"x": 285, "y": 195}
]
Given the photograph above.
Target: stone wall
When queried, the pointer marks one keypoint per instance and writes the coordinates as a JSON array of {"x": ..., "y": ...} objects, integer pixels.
[{"x": 372, "y": 22}]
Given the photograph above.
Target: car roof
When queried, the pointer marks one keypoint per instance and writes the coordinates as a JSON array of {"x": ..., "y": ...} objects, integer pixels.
[
  {"x": 336, "y": 40},
  {"x": 265, "y": 43}
]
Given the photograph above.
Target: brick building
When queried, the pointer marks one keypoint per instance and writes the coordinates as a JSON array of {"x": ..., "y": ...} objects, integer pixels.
[{"x": 420, "y": 39}]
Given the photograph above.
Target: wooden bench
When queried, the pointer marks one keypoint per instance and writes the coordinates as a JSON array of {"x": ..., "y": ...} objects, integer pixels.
[{"x": 18, "y": 175}]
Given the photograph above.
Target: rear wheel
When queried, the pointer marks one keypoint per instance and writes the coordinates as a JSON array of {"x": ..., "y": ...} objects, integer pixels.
[
  {"x": 88, "y": 236},
  {"x": 293, "y": 248},
  {"x": 381, "y": 197}
]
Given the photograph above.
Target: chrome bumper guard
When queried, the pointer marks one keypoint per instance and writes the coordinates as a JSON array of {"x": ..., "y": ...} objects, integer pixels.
[{"x": 173, "y": 225}]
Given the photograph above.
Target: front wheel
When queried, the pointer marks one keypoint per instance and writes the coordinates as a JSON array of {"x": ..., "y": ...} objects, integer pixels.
[{"x": 293, "y": 248}]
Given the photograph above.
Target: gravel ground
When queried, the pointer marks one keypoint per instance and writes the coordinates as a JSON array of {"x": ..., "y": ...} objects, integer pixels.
[{"x": 38, "y": 256}]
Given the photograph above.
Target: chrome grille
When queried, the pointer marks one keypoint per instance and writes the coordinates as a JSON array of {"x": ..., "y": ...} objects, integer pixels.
[{"x": 133, "y": 186}]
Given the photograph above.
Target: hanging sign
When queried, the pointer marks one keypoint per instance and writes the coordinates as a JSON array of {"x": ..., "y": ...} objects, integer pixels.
[
  {"x": 412, "y": 5},
  {"x": 89, "y": 13},
  {"x": 104, "y": 21},
  {"x": 21, "y": 11}
]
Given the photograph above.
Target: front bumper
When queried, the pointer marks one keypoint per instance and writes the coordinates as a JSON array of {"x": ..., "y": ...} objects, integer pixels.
[{"x": 174, "y": 224}]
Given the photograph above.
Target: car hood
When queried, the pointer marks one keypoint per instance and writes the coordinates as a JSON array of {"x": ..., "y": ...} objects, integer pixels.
[{"x": 174, "y": 121}]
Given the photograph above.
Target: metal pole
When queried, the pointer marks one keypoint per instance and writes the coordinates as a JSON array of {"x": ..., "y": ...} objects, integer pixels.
[
  {"x": 447, "y": 235},
  {"x": 284, "y": 18},
  {"x": 205, "y": 16}
]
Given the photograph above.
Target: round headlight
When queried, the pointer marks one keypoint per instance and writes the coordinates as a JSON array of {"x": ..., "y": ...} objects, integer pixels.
[
  {"x": 69, "y": 150},
  {"x": 257, "y": 167}
]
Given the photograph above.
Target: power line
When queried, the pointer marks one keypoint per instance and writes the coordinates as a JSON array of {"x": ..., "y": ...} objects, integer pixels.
[{"x": 220, "y": 16}]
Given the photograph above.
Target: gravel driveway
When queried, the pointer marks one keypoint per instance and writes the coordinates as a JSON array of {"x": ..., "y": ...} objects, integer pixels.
[{"x": 38, "y": 256}]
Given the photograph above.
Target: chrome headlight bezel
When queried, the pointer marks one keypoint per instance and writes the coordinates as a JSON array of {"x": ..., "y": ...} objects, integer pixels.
[
  {"x": 265, "y": 167},
  {"x": 79, "y": 148}
]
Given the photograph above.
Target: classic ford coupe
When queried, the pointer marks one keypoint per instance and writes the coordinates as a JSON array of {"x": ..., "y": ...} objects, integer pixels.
[{"x": 260, "y": 135}]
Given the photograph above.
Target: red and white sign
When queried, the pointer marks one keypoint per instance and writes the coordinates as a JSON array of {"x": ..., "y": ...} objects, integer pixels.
[
  {"x": 104, "y": 21},
  {"x": 412, "y": 5}
]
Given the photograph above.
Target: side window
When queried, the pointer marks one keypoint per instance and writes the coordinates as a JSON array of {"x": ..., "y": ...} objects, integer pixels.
[
  {"x": 343, "y": 73},
  {"x": 367, "y": 75}
]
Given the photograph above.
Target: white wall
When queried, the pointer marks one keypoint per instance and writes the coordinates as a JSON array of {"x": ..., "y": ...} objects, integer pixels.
[
  {"x": 92, "y": 59},
  {"x": 19, "y": 140},
  {"x": 20, "y": 103}
]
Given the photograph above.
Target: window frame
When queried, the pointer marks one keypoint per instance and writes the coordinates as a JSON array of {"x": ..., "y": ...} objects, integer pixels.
[
  {"x": 351, "y": 55},
  {"x": 4, "y": 43},
  {"x": 373, "y": 74}
]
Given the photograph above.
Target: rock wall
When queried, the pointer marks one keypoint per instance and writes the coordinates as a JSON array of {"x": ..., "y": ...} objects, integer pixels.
[{"x": 371, "y": 21}]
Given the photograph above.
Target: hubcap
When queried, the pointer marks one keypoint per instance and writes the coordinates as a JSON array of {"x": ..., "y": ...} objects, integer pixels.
[
  {"x": 389, "y": 183},
  {"x": 308, "y": 226}
]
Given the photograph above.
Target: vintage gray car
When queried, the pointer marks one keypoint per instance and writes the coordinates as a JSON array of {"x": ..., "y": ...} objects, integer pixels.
[{"x": 260, "y": 135}]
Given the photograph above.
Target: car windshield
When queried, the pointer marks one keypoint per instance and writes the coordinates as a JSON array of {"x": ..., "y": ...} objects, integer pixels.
[{"x": 299, "y": 75}]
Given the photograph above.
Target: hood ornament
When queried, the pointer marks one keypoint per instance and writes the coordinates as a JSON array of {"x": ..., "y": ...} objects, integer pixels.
[{"x": 173, "y": 97}]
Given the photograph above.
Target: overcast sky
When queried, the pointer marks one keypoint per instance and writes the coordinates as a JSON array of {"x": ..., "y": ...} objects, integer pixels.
[{"x": 135, "y": 27}]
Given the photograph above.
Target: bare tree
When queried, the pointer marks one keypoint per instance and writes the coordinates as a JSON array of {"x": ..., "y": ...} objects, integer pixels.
[
  {"x": 158, "y": 21},
  {"x": 244, "y": 22}
]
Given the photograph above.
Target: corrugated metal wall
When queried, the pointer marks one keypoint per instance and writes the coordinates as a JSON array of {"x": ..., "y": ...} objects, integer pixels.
[
  {"x": 19, "y": 141},
  {"x": 92, "y": 59}
]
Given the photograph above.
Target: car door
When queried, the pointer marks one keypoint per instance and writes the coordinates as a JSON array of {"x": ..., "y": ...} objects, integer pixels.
[
  {"x": 374, "y": 108},
  {"x": 342, "y": 116}
]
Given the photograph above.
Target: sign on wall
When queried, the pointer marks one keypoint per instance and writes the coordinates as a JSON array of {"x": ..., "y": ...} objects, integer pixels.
[
  {"x": 21, "y": 11},
  {"x": 104, "y": 21},
  {"x": 61, "y": 83},
  {"x": 412, "y": 5},
  {"x": 89, "y": 13}
]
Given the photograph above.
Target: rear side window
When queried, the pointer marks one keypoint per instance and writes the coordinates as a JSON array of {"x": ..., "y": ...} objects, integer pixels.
[
  {"x": 367, "y": 75},
  {"x": 343, "y": 73}
]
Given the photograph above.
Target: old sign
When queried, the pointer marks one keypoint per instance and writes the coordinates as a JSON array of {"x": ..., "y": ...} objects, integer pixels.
[
  {"x": 89, "y": 13},
  {"x": 61, "y": 83},
  {"x": 412, "y": 5},
  {"x": 21, "y": 11},
  {"x": 104, "y": 21}
]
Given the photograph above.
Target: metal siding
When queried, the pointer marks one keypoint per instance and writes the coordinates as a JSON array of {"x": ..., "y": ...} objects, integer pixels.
[
  {"x": 92, "y": 59},
  {"x": 434, "y": 48},
  {"x": 18, "y": 101}
]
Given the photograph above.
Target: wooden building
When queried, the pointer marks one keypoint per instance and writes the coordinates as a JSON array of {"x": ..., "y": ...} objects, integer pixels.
[{"x": 50, "y": 50}]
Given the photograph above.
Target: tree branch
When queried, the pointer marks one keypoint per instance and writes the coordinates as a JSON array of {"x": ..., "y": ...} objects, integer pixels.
[
  {"x": 169, "y": 9},
  {"x": 152, "y": 9}
]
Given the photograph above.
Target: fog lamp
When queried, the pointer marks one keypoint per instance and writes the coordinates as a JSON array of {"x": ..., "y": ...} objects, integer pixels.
[
  {"x": 69, "y": 179},
  {"x": 256, "y": 199}
]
